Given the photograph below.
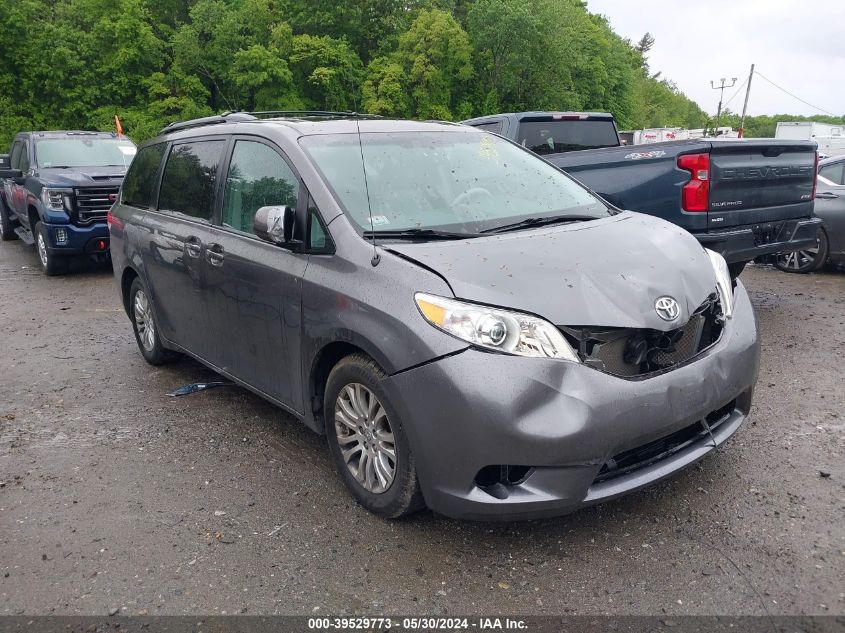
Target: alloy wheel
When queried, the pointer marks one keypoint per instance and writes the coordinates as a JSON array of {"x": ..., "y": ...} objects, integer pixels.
[
  {"x": 365, "y": 438},
  {"x": 144, "y": 324},
  {"x": 798, "y": 260}
]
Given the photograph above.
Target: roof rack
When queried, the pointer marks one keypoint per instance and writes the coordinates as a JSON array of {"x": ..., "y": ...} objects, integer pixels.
[{"x": 233, "y": 117}]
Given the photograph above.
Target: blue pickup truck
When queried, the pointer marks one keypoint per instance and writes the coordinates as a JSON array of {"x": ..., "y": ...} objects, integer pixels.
[
  {"x": 56, "y": 189},
  {"x": 742, "y": 198}
]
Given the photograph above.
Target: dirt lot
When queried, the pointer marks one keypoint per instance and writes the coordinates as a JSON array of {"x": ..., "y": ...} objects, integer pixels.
[{"x": 116, "y": 496}]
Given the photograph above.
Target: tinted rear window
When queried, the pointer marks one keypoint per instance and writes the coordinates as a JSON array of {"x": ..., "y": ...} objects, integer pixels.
[
  {"x": 553, "y": 137},
  {"x": 139, "y": 186},
  {"x": 190, "y": 178}
]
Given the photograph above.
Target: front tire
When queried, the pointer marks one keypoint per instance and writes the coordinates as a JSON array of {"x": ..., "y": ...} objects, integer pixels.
[
  {"x": 7, "y": 226},
  {"x": 805, "y": 261},
  {"x": 51, "y": 264},
  {"x": 142, "y": 314},
  {"x": 367, "y": 440}
]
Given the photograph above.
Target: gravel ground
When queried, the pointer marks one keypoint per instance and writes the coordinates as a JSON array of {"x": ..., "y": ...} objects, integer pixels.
[{"x": 115, "y": 496}]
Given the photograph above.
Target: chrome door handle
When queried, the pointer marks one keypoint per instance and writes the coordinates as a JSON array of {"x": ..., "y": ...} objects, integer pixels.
[
  {"x": 193, "y": 246},
  {"x": 214, "y": 254}
]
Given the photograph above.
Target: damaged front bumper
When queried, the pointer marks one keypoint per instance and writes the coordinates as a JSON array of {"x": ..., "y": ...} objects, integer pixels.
[{"x": 564, "y": 435}]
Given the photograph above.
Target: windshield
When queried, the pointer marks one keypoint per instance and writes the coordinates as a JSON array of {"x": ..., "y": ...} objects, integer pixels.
[
  {"x": 553, "y": 137},
  {"x": 82, "y": 151},
  {"x": 463, "y": 182}
]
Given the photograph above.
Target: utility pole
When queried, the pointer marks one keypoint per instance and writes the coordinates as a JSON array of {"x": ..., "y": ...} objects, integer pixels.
[
  {"x": 745, "y": 105},
  {"x": 721, "y": 89}
]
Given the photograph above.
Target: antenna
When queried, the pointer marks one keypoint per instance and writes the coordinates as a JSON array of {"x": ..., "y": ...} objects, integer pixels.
[{"x": 376, "y": 258}]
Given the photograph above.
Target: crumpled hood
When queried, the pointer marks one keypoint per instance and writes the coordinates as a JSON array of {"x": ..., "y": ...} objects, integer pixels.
[
  {"x": 606, "y": 272},
  {"x": 82, "y": 176}
]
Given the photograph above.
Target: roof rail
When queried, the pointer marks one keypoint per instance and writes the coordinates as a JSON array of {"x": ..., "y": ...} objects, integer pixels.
[
  {"x": 320, "y": 114},
  {"x": 232, "y": 117},
  {"x": 226, "y": 117}
]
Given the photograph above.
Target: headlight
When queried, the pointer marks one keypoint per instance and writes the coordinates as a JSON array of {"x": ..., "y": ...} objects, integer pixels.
[
  {"x": 723, "y": 282},
  {"x": 491, "y": 328},
  {"x": 55, "y": 198}
]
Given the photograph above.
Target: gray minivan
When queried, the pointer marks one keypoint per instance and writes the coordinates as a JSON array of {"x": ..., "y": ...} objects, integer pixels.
[{"x": 471, "y": 328}]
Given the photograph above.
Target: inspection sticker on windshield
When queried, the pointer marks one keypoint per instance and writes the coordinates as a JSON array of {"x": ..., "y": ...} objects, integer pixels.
[
  {"x": 128, "y": 150},
  {"x": 486, "y": 149},
  {"x": 379, "y": 220}
]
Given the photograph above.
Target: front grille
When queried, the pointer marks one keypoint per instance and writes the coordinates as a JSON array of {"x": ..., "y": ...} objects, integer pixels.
[
  {"x": 93, "y": 203},
  {"x": 658, "y": 450},
  {"x": 638, "y": 352}
]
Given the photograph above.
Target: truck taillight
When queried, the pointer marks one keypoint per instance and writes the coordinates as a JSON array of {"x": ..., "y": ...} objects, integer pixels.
[
  {"x": 695, "y": 196},
  {"x": 114, "y": 222},
  {"x": 815, "y": 176}
]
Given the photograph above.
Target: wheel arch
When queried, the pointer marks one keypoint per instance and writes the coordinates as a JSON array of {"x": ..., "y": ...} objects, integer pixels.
[
  {"x": 322, "y": 363},
  {"x": 127, "y": 277}
]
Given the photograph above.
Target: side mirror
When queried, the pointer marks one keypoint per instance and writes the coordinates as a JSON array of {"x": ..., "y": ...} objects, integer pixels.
[
  {"x": 5, "y": 161},
  {"x": 275, "y": 224},
  {"x": 16, "y": 174}
]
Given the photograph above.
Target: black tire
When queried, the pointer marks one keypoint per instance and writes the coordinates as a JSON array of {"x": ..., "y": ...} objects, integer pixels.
[
  {"x": 403, "y": 495},
  {"x": 806, "y": 261},
  {"x": 7, "y": 225},
  {"x": 149, "y": 341},
  {"x": 51, "y": 264},
  {"x": 736, "y": 269}
]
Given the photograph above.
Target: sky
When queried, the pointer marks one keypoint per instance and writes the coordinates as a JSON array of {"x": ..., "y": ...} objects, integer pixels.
[{"x": 799, "y": 46}]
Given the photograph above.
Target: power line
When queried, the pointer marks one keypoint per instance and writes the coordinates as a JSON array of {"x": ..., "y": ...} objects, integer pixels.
[
  {"x": 815, "y": 107},
  {"x": 738, "y": 90}
]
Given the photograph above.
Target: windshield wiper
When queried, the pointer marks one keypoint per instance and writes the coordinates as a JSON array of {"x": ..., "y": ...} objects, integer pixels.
[
  {"x": 432, "y": 234},
  {"x": 530, "y": 222}
]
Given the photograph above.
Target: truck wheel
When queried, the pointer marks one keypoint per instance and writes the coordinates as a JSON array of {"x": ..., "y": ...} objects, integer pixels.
[
  {"x": 367, "y": 440},
  {"x": 805, "y": 261},
  {"x": 52, "y": 265},
  {"x": 7, "y": 226},
  {"x": 144, "y": 324}
]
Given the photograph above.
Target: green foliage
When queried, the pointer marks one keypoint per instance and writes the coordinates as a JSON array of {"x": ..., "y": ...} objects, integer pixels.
[
  {"x": 764, "y": 126},
  {"x": 78, "y": 63}
]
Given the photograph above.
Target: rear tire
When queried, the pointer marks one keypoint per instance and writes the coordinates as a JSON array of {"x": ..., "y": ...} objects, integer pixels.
[
  {"x": 806, "y": 261},
  {"x": 142, "y": 315},
  {"x": 51, "y": 264},
  {"x": 367, "y": 440},
  {"x": 7, "y": 225}
]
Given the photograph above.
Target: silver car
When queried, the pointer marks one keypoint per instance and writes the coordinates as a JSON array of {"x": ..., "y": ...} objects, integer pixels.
[{"x": 470, "y": 328}]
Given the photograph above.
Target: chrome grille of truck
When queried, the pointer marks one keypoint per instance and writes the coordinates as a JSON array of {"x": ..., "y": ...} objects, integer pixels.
[
  {"x": 635, "y": 353},
  {"x": 93, "y": 203}
]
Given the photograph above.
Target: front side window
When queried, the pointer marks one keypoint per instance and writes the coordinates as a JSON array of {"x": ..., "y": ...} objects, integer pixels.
[
  {"x": 139, "y": 186},
  {"x": 460, "y": 181},
  {"x": 84, "y": 151},
  {"x": 15, "y": 159},
  {"x": 24, "y": 159},
  {"x": 258, "y": 177},
  {"x": 190, "y": 178}
]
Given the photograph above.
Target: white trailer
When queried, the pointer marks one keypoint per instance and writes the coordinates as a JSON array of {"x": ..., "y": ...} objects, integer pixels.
[{"x": 808, "y": 130}]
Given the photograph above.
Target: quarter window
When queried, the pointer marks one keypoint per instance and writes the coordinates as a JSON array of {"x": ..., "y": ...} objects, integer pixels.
[
  {"x": 190, "y": 177},
  {"x": 139, "y": 186},
  {"x": 258, "y": 177},
  {"x": 834, "y": 173}
]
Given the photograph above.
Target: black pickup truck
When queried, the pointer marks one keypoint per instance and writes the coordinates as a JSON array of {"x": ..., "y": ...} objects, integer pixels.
[
  {"x": 56, "y": 189},
  {"x": 741, "y": 198}
]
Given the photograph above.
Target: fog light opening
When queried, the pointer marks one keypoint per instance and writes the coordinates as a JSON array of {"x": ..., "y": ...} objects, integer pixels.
[
  {"x": 495, "y": 479},
  {"x": 61, "y": 237}
]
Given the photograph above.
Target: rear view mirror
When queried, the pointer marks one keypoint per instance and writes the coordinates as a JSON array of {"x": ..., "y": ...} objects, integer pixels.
[
  {"x": 274, "y": 224},
  {"x": 5, "y": 161}
]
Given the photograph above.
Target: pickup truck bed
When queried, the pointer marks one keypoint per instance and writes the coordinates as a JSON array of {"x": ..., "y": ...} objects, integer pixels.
[{"x": 742, "y": 198}]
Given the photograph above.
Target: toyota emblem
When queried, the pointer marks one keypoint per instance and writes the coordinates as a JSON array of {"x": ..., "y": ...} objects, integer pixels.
[{"x": 667, "y": 308}]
